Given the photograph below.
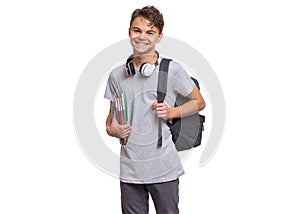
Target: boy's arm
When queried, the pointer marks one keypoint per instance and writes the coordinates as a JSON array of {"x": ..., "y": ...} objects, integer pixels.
[
  {"x": 113, "y": 128},
  {"x": 194, "y": 105}
]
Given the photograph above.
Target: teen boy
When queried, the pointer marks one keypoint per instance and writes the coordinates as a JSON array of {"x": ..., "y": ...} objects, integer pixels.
[{"x": 145, "y": 167}]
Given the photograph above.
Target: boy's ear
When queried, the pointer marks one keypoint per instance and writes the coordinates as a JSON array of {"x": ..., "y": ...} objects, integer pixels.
[
  {"x": 129, "y": 32},
  {"x": 159, "y": 37}
]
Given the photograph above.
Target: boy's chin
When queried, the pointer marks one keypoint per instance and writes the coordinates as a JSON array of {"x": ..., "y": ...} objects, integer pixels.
[{"x": 142, "y": 51}]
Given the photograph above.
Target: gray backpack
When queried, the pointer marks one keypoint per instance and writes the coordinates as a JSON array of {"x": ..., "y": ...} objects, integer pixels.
[{"x": 186, "y": 131}]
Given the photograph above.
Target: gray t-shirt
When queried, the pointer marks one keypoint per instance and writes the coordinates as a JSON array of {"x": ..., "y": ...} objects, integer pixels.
[{"x": 141, "y": 161}]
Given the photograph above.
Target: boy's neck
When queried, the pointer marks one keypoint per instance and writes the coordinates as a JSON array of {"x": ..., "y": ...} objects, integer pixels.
[{"x": 151, "y": 58}]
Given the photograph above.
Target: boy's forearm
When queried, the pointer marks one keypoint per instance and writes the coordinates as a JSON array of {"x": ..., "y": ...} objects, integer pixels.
[
  {"x": 109, "y": 128},
  {"x": 189, "y": 108}
]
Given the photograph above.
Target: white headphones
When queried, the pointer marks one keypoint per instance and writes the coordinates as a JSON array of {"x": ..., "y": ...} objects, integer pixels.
[{"x": 146, "y": 69}]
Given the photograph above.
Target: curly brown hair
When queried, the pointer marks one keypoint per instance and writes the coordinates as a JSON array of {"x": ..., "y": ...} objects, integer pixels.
[{"x": 152, "y": 14}]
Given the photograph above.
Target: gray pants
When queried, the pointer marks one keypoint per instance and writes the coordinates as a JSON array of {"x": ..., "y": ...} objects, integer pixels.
[{"x": 135, "y": 197}]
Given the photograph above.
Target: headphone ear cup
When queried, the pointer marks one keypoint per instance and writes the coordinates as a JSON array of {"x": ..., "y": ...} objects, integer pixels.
[
  {"x": 147, "y": 69},
  {"x": 130, "y": 69}
]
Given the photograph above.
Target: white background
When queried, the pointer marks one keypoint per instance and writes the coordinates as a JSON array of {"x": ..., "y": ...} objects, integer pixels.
[{"x": 253, "y": 46}]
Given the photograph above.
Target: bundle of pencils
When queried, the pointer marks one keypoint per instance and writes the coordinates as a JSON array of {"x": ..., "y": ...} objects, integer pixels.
[{"x": 121, "y": 113}]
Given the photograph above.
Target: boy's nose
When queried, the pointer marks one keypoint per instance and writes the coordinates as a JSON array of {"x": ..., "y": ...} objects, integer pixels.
[{"x": 141, "y": 37}]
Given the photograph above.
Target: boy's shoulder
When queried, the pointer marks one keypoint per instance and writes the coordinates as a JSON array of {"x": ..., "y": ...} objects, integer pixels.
[
  {"x": 118, "y": 72},
  {"x": 175, "y": 66}
]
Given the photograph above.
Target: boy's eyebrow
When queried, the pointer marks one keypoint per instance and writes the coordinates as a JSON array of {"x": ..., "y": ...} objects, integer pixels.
[
  {"x": 151, "y": 31},
  {"x": 148, "y": 31},
  {"x": 136, "y": 28}
]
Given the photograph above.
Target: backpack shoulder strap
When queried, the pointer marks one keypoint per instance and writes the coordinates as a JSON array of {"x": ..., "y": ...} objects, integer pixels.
[
  {"x": 162, "y": 79},
  {"x": 162, "y": 90}
]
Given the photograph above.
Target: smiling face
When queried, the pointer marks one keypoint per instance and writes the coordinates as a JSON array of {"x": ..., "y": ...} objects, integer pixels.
[{"x": 143, "y": 36}]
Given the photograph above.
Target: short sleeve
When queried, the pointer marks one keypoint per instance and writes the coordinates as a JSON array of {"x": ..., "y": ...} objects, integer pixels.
[
  {"x": 182, "y": 82},
  {"x": 110, "y": 90}
]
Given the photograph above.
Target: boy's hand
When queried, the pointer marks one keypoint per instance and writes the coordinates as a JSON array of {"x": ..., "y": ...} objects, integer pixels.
[
  {"x": 117, "y": 130},
  {"x": 162, "y": 111}
]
